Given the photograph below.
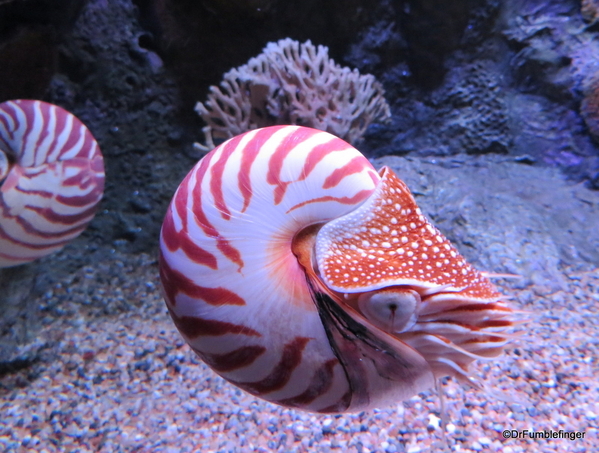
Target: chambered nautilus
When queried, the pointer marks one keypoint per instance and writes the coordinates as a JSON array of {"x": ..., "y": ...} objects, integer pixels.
[
  {"x": 303, "y": 276},
  {"x": 51, "y": 176}
]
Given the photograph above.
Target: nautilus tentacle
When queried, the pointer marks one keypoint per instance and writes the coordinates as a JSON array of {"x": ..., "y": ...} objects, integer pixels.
[
  {"x": 303, "y": 276},
  {"x": 51, "y": 176}
]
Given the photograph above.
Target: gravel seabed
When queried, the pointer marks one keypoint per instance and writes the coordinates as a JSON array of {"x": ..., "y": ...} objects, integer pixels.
[{"x": 114, "y": 375}]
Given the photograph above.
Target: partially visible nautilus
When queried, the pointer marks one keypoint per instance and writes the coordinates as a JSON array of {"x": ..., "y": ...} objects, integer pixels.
[
  {"x": 51, "y": 176},
  {"x": 305, "y": 277}
]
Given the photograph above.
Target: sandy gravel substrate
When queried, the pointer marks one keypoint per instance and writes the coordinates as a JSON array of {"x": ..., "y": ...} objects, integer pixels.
[{"x": 116, "y": 376}]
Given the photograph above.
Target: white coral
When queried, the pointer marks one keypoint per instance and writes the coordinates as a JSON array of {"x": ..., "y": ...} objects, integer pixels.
[{"x": 292, "y": 83}]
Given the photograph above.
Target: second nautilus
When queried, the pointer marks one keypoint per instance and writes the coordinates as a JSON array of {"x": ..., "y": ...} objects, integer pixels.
[
  {"x": 302, "y": 275},
  {"x": 51, "y": 179}
]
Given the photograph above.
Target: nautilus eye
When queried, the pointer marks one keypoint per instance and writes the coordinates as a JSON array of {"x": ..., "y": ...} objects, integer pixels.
[
  {"x": 389, "y": 309},
  {"x": 51, "y": 177},
  {"x": 302, "y": 275}
]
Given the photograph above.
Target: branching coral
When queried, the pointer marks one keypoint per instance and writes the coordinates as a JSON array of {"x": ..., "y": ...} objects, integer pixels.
[{"x": 292, "y": 83}]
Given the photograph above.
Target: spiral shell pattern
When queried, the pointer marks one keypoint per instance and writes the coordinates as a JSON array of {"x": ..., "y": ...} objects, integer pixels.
[
  {"x": 284, "y": 266},
  {"x": 52, "y": 176}
]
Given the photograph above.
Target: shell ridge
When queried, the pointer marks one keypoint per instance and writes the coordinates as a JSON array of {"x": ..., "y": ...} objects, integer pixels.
[{"x": 62, "y": 136}]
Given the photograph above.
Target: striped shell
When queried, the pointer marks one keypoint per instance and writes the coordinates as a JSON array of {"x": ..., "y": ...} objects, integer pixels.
[
  {"x": 51, "y": 176},
  {"x": 303, "y": 276}
]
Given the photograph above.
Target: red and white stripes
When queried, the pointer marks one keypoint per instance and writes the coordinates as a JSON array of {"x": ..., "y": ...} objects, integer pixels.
[
  {"x": 249, "y": 263},
  {"x": 233, "y": 287},
  {"x": 52, "y": 176}
]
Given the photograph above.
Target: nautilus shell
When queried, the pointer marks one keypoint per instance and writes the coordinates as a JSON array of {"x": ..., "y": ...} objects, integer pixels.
[
  {"x": 51, "y": 176},
  {"x": 305, "y": 277}
]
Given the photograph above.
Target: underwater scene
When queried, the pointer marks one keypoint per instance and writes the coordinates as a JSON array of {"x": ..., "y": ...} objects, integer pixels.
[{"x": 299, "y": 226}]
